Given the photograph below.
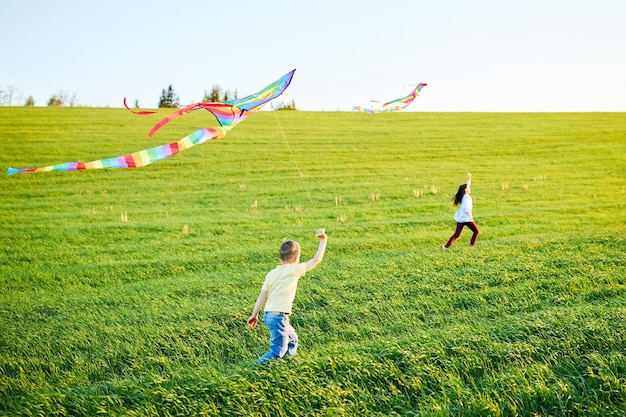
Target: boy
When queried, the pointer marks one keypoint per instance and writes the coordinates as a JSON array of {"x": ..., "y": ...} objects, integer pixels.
[{"x": 279, "y": 289}]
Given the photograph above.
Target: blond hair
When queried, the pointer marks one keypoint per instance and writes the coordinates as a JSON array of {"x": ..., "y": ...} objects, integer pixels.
[{"x": 289, "y": 251}]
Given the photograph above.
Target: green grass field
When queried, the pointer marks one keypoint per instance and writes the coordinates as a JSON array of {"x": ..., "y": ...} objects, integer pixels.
[{"x": 126, "y": 292}]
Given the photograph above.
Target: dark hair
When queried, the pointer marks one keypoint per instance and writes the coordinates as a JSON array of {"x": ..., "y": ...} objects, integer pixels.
[{"x": 459, "y": 194}]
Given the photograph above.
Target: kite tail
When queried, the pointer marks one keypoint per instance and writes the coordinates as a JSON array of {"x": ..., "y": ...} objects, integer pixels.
[
  {"x": 365, "y": 110},
  {"x": 136, "y": 159},
  {"x": 222, "y": 112}
]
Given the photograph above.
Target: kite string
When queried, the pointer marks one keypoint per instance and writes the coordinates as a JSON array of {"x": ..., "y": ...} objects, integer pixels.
[{"x": 293, "y": 158}]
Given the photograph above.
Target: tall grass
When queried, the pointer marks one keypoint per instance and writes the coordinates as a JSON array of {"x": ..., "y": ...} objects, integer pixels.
[{"x": 126, "y": 292}]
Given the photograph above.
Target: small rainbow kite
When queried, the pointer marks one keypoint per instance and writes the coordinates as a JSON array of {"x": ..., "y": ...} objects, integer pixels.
[
  {"x": 228, "y": 114},
  {"x": 394, "y": 105}
]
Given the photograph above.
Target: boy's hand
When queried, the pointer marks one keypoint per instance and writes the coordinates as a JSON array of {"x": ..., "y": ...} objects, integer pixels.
[
  {"x": 321, "y": 233},
  {"x": 252, "y": 321}
]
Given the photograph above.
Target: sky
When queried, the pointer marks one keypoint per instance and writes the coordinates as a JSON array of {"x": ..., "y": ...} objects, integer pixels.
[{"x": 475, "y": 56}]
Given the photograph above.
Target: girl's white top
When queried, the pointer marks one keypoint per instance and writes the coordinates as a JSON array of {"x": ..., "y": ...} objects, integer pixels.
[{"x": 464, "y": 213}]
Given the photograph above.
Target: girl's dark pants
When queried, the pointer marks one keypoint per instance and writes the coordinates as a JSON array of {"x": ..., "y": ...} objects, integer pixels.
[{"x": 459, "y": 228}]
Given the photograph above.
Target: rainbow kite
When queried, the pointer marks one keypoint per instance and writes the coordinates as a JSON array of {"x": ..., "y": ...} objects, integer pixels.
[
  {"x": 394, "y": 105},
  {"x": 228, "y": 114}
]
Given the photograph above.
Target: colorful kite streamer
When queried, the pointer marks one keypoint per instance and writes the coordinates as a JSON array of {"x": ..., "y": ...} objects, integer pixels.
[
  {"x": 228, "y": 114},
  {"x": 394, "y": 105}
]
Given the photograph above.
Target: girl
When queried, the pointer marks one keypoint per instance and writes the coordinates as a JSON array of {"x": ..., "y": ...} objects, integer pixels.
[{"x": 463, "y": 215}]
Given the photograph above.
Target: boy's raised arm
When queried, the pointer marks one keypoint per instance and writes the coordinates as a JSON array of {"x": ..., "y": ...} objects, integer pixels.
[{"x": 319, "y": 255}]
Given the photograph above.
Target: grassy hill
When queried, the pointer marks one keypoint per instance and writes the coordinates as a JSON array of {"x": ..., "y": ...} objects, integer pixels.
[{"x": 126, "y": 292}]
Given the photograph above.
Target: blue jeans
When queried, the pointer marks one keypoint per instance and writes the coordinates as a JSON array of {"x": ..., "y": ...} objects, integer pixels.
[{"x": 283, "y": 337}]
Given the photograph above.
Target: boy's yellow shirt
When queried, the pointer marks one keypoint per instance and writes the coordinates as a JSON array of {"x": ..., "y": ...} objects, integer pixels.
[{"x": 281, "y": 284}]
